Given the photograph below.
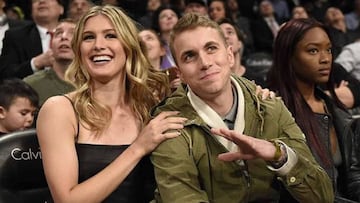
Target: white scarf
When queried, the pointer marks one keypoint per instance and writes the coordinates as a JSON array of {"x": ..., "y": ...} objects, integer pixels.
[{"x": 215, "y": 121}]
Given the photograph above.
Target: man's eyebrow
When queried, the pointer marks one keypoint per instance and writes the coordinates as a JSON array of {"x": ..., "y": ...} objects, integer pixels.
[
  {"x": 186, "y": 52},
  {"x": 211, "y": 43}
]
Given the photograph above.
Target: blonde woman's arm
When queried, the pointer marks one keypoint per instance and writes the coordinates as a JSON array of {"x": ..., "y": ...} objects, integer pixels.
[{"x": 57, "y": 127}]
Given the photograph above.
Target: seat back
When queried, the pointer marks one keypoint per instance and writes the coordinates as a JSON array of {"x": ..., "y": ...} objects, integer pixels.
[
  {"x": 22, "y": 177},
  {"x": 257, "y": 66}
]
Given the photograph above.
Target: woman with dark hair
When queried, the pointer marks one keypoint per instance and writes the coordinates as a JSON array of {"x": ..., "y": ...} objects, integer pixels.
[
  {"x": 154, "y": 49},
  {"x": 218, "y": 9},
  {"x": 164, "y": 19},
  {"x": 302, "y": 61},
  {"x": 346, "y": 85}
]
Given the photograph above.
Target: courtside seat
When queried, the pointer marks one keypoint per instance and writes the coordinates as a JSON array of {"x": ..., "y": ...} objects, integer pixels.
[
  {"x": 257, "y": 66},
  {"x": 22, "y": 177}
]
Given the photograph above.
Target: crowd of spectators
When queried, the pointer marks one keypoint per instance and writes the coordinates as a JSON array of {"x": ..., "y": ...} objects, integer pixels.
[{"x": 257, "y": 21}]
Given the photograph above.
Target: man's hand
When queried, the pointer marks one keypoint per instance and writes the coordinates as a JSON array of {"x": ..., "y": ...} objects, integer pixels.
[
  {"x": 249, "y": 147},
  {"x": 44, "y": 60},
  {"x": 344, "y": 94}
]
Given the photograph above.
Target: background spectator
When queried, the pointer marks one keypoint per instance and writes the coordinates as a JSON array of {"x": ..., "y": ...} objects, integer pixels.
[
  {"x": 281, "y": 9},
  {"x": 14, "y": 12},
  {"x": 299, "y": 12},
  {"x": 346, "y": 86},
  {"x": 50, "y": 82},
  {"x": 302, "y": 62},
  {"x": 339, "y": 33},
  {"x": 26, "y": 49},
  {"x": 147, "y": 20},
  {"x": 155, "y": 51},
  {"x": 77, "y": 8},
  {"x": 235, "y": 40},
  {"x": 154, "y": 47},
  {"x": 218, "y": 9},
  {"x": 265, "y": 27},
  {"x": 18, "y": 104},
  {"x": 349, "y": 58},
  {"x": 6, "y": 23},
  {"x": 352, "y": 18},
  {"x": 165, "y": 17},
  {"x": 196, "y": 6},
  {"x": 316, "y": 8},
  {"x": 243, "y": 25}
]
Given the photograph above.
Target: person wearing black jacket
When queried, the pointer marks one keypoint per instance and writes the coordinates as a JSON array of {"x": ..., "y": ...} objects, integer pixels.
[
  {"x": 6, "y": 23},
  {"x": 302, "y": 62},
  {"x": 26, "y": 49}
]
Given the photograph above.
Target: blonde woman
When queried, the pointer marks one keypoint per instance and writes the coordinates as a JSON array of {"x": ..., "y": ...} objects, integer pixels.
[{"x": 94, "y": 141}]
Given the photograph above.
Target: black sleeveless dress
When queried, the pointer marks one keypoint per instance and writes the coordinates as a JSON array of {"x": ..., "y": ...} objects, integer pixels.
[{"x": 139, "y": 185}]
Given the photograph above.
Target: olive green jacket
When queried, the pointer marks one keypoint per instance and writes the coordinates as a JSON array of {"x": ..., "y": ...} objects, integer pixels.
[{"x": 187, "y": 168}]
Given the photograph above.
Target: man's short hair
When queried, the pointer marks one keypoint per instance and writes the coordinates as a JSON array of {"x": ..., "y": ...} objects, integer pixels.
[
  {"x": 191, "y": 21},
  {"x": 66, "y": 20},
  {"x": 236, "y": 28},
  {"x": 11, "y": 89}
]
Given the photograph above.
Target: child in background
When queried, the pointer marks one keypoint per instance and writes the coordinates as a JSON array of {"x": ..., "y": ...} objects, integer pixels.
[{"x": 18, "y": 104}]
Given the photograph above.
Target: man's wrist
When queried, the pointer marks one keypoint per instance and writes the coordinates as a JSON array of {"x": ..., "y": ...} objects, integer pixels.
[
  {"x": 33, "y": 65},
  {"x": 280, "y": 156}
]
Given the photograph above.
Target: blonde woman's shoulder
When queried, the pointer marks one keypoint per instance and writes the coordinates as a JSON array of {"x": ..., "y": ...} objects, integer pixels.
[{"x": 56, "y": 116}]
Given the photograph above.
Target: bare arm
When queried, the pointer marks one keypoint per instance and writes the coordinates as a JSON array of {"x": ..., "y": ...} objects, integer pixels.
[{"x": 57, "y": 127}]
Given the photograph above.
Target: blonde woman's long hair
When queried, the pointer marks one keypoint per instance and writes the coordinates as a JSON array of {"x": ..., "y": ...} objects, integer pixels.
[{"x": 141, "y": 82}]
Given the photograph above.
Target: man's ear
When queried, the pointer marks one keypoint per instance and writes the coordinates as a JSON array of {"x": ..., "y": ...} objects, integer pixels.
[
  {"x": 177, "y": 70},
  {"x": 178, "y": 73},
  {"x": 61, "y": 10},
  {"x": 231, "y": 57},
  {"x": 3, "y": 112}
]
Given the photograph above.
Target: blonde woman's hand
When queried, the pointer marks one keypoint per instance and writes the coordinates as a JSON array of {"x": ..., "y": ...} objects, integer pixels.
[
  {"x": 175, "y": 83},
  {"x": 164, "y": 126},
  {"x": 264, "y": 92}
]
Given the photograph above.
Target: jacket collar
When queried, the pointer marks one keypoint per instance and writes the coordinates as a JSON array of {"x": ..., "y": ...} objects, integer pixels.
[{"x": 178, "y": 101}]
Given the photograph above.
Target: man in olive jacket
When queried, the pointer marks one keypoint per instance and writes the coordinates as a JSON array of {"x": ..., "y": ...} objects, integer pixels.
[{"x": 234, "y": 146}]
